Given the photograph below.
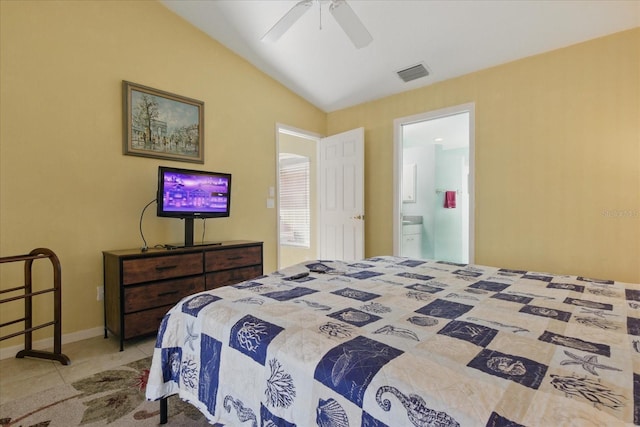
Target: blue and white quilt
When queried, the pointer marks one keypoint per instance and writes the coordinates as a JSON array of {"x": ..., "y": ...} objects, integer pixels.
[{"x": 392, "y": 341}]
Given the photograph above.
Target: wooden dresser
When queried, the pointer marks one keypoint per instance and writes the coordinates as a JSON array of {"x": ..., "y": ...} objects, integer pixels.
[{"x": 140, "y": 287}]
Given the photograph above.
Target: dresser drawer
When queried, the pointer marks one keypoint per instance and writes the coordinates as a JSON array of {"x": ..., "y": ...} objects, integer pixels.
[
  {"x": 158, "y": 268},
  {"x": 232, "y": 258},
  {"x": 142, "y": 297},
  {"x": 144, "y": 322},
  {"x": 231, "y": 277}
]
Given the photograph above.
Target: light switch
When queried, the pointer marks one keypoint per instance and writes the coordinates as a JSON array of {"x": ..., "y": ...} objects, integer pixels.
[
  {"x": 272, "y": 192},
  {"x": 271, "y": 203}
]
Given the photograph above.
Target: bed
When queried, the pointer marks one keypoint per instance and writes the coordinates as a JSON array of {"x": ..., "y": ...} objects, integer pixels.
[{"x": 391, "y": 341}]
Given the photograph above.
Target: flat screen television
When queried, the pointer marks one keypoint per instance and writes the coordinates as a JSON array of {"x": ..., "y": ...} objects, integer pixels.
[{"x": 190, "y": 194}]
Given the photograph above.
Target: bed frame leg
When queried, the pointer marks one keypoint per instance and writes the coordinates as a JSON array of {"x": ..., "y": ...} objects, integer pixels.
[{"x": 163, "y": 410}]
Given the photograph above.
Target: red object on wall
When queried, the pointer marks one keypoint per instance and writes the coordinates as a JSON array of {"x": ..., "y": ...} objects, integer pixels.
[{"x": 449, "y": 199}]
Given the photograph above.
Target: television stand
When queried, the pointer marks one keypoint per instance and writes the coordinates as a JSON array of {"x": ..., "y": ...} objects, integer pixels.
[
  {"x": 140, "y": 287},
  {"x": 188, "y": 232}
]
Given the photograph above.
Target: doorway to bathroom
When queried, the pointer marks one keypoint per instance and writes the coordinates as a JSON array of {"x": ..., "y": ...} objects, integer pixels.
[{"x": 434, "y": 185}]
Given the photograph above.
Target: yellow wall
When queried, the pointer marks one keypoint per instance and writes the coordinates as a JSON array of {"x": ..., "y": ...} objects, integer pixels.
[
  {"x": 557, "y": 151},
  {"x": 64, "y": 182}
]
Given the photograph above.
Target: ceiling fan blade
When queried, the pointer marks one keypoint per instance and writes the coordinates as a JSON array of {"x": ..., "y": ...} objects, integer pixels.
[
  {"x": 350, "y": 23},
  {"x": 290, "y": 18}
]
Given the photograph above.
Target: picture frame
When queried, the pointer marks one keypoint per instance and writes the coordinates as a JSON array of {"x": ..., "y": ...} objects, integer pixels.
[{"x": 162, "y": 125}]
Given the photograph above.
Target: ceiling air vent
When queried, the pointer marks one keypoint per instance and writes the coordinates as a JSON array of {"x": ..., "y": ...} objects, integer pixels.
[{"x": 413, "y": 73}]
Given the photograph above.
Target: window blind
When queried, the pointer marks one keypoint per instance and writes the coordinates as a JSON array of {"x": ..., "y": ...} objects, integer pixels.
[{"x": 295, "y": 215}]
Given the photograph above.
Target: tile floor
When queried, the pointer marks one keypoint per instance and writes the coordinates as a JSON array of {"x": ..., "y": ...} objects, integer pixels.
[{"x": 23, "y": 377}]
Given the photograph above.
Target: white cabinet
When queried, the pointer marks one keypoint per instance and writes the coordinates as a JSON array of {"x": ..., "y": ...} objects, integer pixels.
[
  {"x": 412, "y": 240},
  {"x": 409, "y": 183}
]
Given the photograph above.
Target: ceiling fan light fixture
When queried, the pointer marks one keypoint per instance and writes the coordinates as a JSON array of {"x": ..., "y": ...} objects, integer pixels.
[
  {"x": 342, "y": 13},
  {"x": 287, "y": 21},
  {"x": 412, "y": 73},
  {"x": 350, "y": 23}
]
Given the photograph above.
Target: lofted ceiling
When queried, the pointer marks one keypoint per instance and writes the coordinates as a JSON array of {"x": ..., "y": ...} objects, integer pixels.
[{"x": 316, "y": 60}]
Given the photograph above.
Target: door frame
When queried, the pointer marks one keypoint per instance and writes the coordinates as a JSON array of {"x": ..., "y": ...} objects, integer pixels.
[
  {"x": 281, "y": 128},
  {"x": 398, "y": 161}
]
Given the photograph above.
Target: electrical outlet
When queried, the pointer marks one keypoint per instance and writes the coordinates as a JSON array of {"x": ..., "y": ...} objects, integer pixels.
[{"x": 100, "y": 290}]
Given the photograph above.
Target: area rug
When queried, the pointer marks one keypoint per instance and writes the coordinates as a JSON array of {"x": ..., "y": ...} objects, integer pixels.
[{"x": 111, "y": 398}]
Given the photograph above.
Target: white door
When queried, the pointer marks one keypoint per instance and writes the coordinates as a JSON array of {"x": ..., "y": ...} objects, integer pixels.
[{"x": 341, "y": 196}]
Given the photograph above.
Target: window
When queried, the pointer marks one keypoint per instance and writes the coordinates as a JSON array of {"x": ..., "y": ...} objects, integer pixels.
[{"x": 295, "y": 215}]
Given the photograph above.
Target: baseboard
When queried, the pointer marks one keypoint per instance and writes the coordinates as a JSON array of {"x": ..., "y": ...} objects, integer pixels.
[{"x": 47, "y": 343}]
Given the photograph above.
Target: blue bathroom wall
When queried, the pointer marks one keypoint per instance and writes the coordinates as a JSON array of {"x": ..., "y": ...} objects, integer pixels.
[
  {"x": 445, "y": 232},
  {"x": 451, "y": 226}
]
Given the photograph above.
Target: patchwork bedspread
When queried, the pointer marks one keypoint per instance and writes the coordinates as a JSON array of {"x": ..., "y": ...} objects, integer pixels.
[{"x": 392, "y": 341}]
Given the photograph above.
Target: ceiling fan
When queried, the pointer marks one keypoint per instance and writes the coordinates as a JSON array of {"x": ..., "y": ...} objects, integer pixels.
[{"x": 341, "y": 11}]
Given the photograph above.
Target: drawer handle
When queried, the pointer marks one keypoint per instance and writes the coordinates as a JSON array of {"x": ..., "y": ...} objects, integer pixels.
[
  {"x": 233, "y": 258},
  {"x": 164, "y": 294},
  {"x": 166, "y": 267}
]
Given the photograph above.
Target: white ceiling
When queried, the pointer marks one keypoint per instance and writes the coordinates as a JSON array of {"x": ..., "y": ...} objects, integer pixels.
[
  {"x": 451, "y": 38},
  {"x": 449, "y": 131}
]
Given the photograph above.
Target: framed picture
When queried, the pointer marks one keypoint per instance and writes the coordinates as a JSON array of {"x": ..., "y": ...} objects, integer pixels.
[{"x": 162, "y": 125}]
